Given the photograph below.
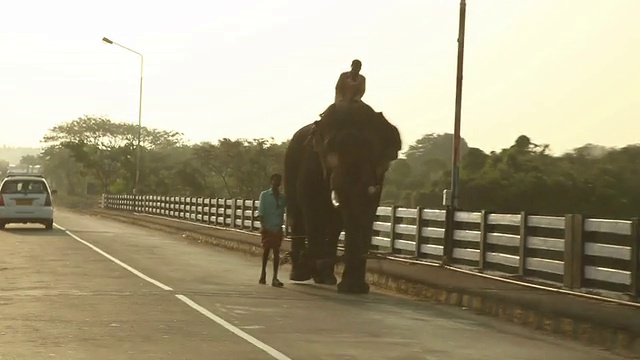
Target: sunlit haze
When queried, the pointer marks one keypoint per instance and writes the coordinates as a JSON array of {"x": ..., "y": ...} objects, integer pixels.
[{"x": 563, "y": 72}]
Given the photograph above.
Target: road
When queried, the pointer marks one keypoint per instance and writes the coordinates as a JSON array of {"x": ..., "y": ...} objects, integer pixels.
[{"x": 102, "y": 289}]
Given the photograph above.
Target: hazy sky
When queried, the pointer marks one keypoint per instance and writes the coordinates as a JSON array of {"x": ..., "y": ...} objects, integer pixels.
[{"x": 564, "y": 72}]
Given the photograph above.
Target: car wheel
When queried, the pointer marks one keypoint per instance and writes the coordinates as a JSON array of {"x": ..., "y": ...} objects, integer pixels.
[
  {"x": 2, "y": 225},
  {"x": 49, "y": 225}
]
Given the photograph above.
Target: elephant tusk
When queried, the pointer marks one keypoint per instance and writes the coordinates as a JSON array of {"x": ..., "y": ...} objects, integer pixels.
[{"x": 334, "y": 199}]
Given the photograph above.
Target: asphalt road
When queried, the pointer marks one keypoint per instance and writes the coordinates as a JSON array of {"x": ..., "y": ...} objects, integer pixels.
[{"x": 107, "y": 290}]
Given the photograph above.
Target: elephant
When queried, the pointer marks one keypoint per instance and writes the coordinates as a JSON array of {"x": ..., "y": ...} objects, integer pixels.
[{"x": 334, "y": 171}]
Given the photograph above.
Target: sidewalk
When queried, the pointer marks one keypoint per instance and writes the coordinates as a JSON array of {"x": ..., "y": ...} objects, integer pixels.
[{"x": 607, "y": 325}]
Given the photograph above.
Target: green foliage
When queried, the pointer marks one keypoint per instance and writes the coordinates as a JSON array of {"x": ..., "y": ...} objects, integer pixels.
[
  {"x": 92, "y": 150},
  {"x": 106, "y": 149},
  {"x": 94, "y": 155}
]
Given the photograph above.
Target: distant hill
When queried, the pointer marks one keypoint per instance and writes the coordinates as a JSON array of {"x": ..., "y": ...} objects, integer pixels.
[{"x": 14, "y": 154}]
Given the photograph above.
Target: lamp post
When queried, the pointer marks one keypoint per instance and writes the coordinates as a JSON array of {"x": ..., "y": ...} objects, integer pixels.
[
  {"x": 455, "y": 161},
  {"x": 138, "y": 149},
  {"x": 450, "y": 197}
]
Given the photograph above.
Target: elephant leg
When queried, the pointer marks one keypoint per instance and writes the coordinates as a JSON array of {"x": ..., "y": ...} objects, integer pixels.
[
  {"x": 355, "y": 262},
  {"x": 306, "y": 257},
  {"x": 299, "y": 267},
  {"x": 316, "y": 235},
  {"x": 326, "y": 271}
]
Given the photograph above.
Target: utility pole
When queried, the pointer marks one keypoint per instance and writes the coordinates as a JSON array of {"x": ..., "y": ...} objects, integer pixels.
[{"x": 450, "y": 197}]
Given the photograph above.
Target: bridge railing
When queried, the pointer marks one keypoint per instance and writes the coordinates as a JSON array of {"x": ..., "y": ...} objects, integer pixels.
[{"x": 570, "y": 252}]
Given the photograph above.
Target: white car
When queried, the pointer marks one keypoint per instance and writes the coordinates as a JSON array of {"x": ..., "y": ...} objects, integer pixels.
[{"x": 26, "y": 199}]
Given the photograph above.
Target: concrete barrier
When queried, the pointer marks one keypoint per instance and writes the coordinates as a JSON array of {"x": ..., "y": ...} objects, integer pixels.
[{"x": 605, "y": 324}]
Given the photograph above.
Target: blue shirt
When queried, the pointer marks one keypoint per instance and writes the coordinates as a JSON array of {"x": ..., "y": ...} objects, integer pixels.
[{"x": 271, "y": 211}]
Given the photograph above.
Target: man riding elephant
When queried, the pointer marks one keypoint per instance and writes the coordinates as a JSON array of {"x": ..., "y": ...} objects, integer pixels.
[
  {"x": 334, "y": 172},
  {"x": 350, "y": 87}
]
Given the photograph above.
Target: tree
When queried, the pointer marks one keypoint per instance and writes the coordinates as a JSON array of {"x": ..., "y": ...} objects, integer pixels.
[
  {"x": 434, "y": 146},
  {"x": 30, "y": 160},
  {"x": 106, "y": 148},
  {"x": 242, "y": 167}
]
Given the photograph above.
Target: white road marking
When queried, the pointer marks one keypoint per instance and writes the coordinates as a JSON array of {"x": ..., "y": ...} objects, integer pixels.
[
  {"x": 253, "y": 341},
  {"x": 266, "y": 348},
  {"x": 136, "y": 272}
]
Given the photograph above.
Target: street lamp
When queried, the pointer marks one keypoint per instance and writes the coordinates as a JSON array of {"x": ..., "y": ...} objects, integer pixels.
[
  {"x": 450, "y": 197},
  {"x": 138, "y": 149}
]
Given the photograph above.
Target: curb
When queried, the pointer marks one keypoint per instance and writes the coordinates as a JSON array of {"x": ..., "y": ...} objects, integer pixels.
[{"x": 583, "y": 328}]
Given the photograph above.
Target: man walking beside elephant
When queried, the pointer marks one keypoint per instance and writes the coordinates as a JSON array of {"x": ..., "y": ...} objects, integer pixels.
[{"x": 271, "y": 213}]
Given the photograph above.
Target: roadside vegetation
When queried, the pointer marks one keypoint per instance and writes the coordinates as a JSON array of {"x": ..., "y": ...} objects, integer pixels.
[{"x": 88, "y": 156}]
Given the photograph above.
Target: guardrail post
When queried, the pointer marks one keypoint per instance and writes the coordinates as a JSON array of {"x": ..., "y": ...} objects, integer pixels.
[
  {"x": 392, "y": 229},
  {"x": 449, "y": 228},
  {"x": 286, "y": 224},
  {"x": 224, "y": 211},
  {"x": 233, "y": 212},
  {"x": 484, "y": 230},
  {"x": 635, "y": 257},
  {"x": 522, "y": 268},
  {"x": 215, "y": 219},
  {"x": 573, "y": 251},
  {"x": 418, "y": 234},
  {"x": 242, "y": 214},
  {"x": 206, "y": 204},
  {"x": 193, "y": 209},
  {"x": 253, "y": 216},
  {"x": 213, "y": 210}
]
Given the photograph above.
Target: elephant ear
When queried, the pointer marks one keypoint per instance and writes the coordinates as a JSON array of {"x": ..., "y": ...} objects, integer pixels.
[
  {"x": 318, "y": 143},
  {"x": 389, "y": 138},
  {"x": 390, "y": 143}
]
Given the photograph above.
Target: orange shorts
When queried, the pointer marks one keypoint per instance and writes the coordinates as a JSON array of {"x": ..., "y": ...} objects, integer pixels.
[{"x": 272, "y": 239}]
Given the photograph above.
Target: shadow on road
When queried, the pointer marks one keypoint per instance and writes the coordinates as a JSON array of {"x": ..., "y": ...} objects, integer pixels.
[
  {"x": 31, "y": 231},
  {"x": 392, "y": 303}
]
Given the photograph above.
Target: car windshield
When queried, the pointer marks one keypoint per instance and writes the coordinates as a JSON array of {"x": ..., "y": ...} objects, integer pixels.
[{"x": 23, "y": 187}]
